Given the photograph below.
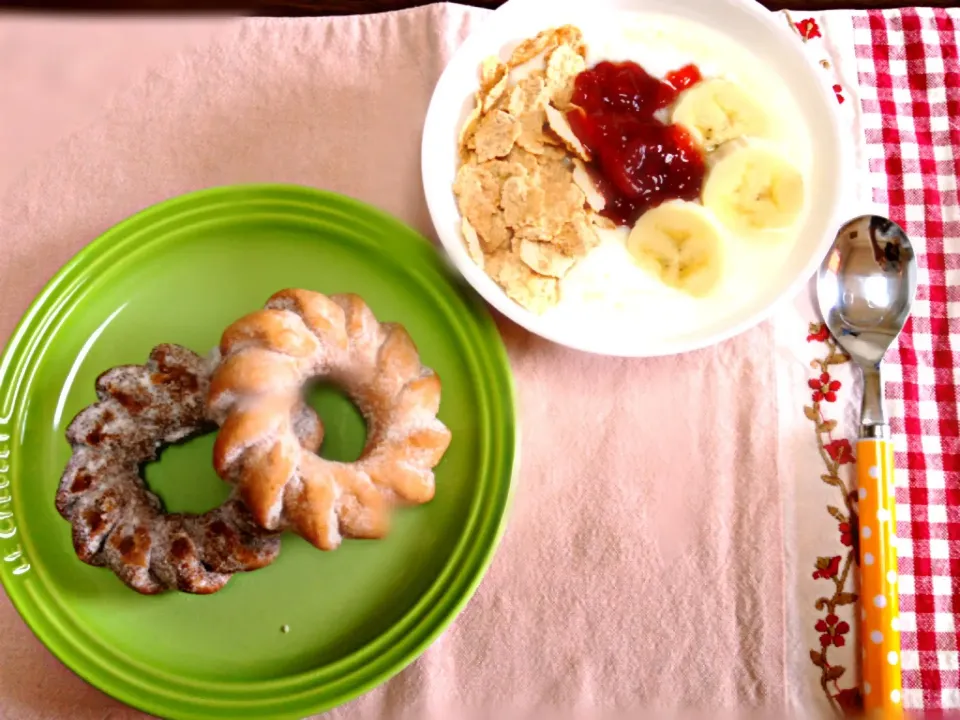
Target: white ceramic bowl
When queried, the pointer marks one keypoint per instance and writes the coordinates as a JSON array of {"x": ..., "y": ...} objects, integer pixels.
[{"x": 767, "y": 37}]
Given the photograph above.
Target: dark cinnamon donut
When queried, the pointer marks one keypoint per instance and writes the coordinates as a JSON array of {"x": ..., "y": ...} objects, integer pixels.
[{"x": 117, "y": 521}]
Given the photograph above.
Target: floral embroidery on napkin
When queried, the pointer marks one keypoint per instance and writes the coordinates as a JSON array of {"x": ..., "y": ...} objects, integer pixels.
[
  {"x": 808, "y": 29},
  {"x": 834, "y": 571}
]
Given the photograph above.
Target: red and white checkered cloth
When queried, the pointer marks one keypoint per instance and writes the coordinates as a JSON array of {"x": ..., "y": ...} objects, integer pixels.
[{"x": 909, "y": 85}]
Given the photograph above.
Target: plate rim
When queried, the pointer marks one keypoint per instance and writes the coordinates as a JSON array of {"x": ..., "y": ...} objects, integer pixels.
[{"x": 25, "y": 348}]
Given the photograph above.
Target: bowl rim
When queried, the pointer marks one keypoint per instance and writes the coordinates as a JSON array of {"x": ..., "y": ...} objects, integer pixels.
[{"x": 497, "y": 297}]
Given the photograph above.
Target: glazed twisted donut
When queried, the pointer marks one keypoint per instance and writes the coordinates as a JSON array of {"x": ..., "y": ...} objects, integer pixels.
[
  {"x": 117, "y": 522},
  {"x": 267, "y": 357}
]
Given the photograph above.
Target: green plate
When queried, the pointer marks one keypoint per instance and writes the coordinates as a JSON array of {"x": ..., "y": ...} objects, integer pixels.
[{"x": 180, "y": 272}]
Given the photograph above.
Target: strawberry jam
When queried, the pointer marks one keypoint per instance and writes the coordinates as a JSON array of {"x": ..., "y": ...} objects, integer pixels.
[
  {"x": 687, "y": 76},
  {"x": 638, "y": 160}
]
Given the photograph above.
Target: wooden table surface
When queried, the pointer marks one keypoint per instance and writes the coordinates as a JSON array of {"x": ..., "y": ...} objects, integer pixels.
[{"x": 349, "y": 7}]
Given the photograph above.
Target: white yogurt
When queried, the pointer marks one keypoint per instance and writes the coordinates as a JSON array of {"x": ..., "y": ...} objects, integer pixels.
[{"x": 608, "y": 283}]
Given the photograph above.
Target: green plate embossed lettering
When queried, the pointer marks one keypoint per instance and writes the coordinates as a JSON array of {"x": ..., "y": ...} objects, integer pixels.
[{"x": 180, "y": 272}]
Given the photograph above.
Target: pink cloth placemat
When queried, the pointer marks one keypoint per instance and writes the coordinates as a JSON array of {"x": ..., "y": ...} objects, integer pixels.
[
  {"x": 642, "y": 566},
  {"x": 58, "y": 72}
]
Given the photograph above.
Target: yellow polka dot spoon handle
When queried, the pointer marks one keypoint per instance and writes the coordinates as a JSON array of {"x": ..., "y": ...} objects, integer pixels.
[
  {"x": 879, "y": 631},
  {"x": 865, "y": 288}
]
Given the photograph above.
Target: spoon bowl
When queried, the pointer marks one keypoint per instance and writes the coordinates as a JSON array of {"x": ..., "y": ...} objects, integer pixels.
[{"x": 866, "y": 287}]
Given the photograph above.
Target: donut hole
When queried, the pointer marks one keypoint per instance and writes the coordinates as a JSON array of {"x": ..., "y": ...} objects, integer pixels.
[
  {"x": 183, "y": 476},
  {"x": 344, "y": 429}
]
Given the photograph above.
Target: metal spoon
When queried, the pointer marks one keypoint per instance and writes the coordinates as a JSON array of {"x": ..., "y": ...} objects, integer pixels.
[{"x": 865, "y": 289}]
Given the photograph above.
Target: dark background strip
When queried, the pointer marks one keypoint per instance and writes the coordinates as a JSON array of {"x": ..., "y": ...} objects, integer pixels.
[{"x": 352, "y": 7}]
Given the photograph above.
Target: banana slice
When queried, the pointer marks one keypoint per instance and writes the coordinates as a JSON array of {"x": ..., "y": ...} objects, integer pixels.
[
  {"x": 679, "y": 243},
  {"x": 719, "y": 110},
  {"x": 751, "y": 186}
]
